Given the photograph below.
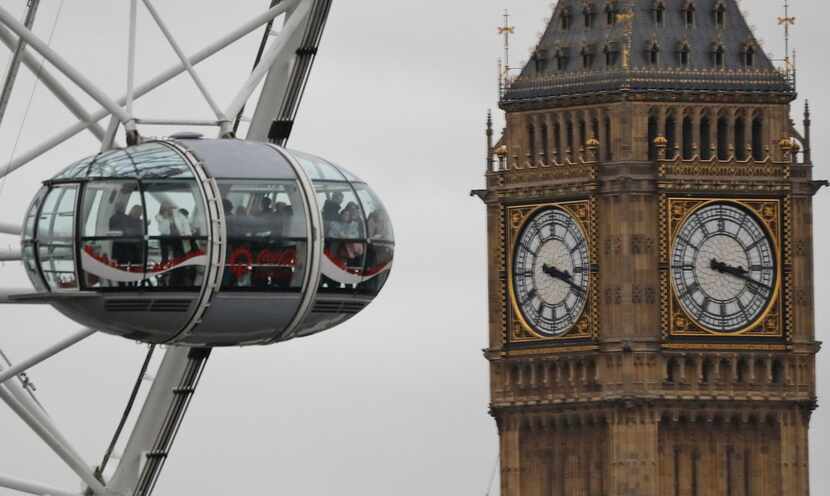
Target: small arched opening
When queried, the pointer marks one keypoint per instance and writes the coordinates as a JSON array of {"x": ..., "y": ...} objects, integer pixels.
[
  {"x": 688, "y": 138},
  {"x": 723, "y": 138},
  {"x": 757, "y": 138},
  {"x": 740, "y": 140}
]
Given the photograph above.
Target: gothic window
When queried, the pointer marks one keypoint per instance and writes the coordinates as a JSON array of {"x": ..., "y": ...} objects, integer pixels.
[
  {"x": 654, "y": 54},
  {"x": 708, "y": 371},
  {"x": 565, "y": 19},
  {"x": 545, "y": 144},
  {"x": 685, "y": 54},
  {"x": 569, "y": 137},
  {"x": 743, "y": 371},
  {"x": 749, "y": 56},
  {"x": 557, "y": 142},
  {"x": 705, "y": 138},
  {"x": 688, "y": 13},
  {"x": 587, "y": 58},
  {"x": 671, "y": 136},
  {"x": 719, "y": 55},
  {"x": 757, "y": 138},
  {"x": 561, "y": 59},
  {"x": 589, "y": 15},
  {"x": 595, "y": 128},
  {"x": 652, "y": 137},
  {"x": 740, "y": 141},
  {"x": 672, "y": 371},
  {"x": 611, "y": 56},
  {"x": 531, "y": 142},
  {"x": 723, "y": 138},
  {"x": 720, "y": 15},
  {"x": 688, "y": 139},
  {"x": 540, "y": 61},
  {"x": 777, "y": 372},
  {"x": 583, "y": 132},
  {"x": 659, "y": 13},
  {"x": 611, "y": 13}
]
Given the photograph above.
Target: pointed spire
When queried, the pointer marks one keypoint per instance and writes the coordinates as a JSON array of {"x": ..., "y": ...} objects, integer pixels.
[
  {"x": 490, "y": 140},
  {"x": 808, "y": 158}
]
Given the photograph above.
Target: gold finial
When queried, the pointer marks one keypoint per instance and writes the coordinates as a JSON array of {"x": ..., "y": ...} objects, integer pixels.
[
  {"x": 627, "y": 17},
  {"x": 501, "y": 151},
  {"x": 787, "y": 20},
  {"x": 505, "y": 30},
  {"x": 786, "y": 144}
]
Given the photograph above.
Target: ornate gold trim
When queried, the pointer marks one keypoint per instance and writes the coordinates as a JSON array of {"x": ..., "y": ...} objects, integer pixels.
[
  {"x": 586, "y": 327},
  {"x": 676, "y": 321},
  {"x": 725, "y": 347}
]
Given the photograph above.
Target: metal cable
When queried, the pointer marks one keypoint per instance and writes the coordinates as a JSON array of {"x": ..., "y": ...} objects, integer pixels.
[
  {"x": 492, "y": 476},
  {"x": 127, "y": 410},
  {"x": 32, "y": 94}
]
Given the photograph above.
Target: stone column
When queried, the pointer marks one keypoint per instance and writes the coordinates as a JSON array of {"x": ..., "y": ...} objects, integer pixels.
[
  {"x": 697, "y": 115},
  {"x": 748, "y": 132}
]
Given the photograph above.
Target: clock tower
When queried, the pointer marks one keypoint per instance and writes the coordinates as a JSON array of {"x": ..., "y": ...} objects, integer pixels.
[{"x": 651, "y": 311}]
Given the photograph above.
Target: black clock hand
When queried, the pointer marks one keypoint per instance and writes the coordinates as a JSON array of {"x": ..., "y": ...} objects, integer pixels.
[
  {"x": 565, "y": 277},
  {"x": 738, "y": 272}
]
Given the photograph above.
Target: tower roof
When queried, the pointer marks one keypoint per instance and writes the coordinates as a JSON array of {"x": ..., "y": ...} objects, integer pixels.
[{"x": 595, "y": 46}]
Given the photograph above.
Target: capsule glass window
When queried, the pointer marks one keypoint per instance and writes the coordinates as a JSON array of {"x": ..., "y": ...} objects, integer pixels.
[
  {"x": 112, "y": 235},
  {"x": 176, "y": 235},
  {"x": 55, "y": 238},
  {"x": 267, "y": 236}
]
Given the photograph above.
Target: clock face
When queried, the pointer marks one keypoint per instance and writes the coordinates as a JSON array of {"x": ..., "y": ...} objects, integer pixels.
[
  {"x": 724, "y": 267},
  {"x": 551, "y": 271}
]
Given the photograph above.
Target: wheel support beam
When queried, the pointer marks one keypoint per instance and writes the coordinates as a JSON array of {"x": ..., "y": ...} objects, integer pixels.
[
  {"x": 45, "y": 355},
  {"x": 152, "y": 84}
]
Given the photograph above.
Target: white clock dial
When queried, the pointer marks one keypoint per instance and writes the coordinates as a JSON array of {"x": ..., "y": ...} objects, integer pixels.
[
  {"x": 551, "y": 271},
  {"x": 723, "y": 267}
]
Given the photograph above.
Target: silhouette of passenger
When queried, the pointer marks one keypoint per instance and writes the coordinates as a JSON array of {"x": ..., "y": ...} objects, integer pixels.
[
  {"x": 331, "y": 207},
  {"x": 173, "y": 226}
]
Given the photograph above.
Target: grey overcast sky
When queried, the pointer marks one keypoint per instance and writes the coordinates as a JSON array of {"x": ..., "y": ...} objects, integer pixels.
[{"x": 394, "y": 401}]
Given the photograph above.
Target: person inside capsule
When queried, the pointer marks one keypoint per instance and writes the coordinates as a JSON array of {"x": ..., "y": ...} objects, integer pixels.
[{"x": 267, "y": 239}]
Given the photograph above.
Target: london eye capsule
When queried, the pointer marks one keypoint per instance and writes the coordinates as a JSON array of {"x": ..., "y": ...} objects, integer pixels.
[{"x": 207, "y": 243}]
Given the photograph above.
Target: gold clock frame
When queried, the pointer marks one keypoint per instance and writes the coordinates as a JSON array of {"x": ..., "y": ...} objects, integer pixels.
[
  {"x": 676, "y": 321},
  {"x": 586, "y": 326}
]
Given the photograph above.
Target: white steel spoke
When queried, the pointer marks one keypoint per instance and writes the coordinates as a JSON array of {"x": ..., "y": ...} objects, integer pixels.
[
  {"x": 294, "y": 22},
  {"x": 11, "y": 76},
  {"x": 131, "y": 57},
  {"x": 190, "y": 70},
  {"x": 45, "y": 355},
  {"x": 9, "y": 39},
  {"x": 10, "y": 254},
  {"x": 32, "y": 487},
  {"x": 9, "y": 228},
  {"x": 154, "y": 83},
  {"x": 63, "y": 66},
  {"x": 41, "y": 425}
]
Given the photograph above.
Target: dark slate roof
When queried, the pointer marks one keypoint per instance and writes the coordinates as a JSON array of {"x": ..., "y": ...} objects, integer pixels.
[{"x": 557, "y": 67}]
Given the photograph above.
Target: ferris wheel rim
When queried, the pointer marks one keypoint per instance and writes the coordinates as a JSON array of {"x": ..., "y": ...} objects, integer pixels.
[{"x": 120, "y": 112}]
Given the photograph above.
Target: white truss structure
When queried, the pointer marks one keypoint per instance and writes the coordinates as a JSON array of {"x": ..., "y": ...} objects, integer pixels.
[{"x": 277, "y": 67}]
